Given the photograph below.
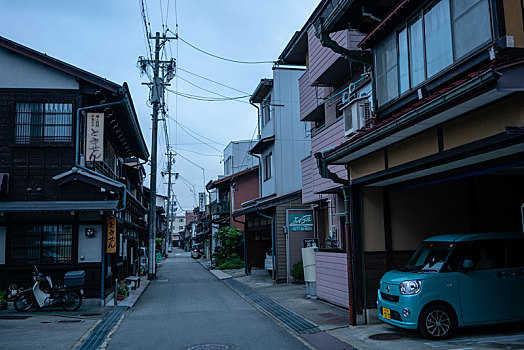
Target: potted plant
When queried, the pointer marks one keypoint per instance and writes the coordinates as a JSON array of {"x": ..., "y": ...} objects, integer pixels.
[
  {"x": 123, "y": 291},
  {"x": 3, "y": 300},
  {"x": 298, "y": 272}
]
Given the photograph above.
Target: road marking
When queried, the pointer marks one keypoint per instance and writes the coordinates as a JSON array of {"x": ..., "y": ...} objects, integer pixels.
[{"x": 177, "y": 254}]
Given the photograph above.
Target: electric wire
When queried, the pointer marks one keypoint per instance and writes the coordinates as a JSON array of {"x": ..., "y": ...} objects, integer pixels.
[
  {"x": 206, "y": 98},
  {"x": 213, "y": 81},
  {"x": 196, "y": 133},
  {"x": 201, "y": 154},
  {"x": 210, "y": 91},
  {"x": 222, "y": 58}
]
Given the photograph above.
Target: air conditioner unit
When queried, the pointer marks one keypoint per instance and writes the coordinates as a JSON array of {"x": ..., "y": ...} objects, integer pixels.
[{"x": 357, "y": 115}]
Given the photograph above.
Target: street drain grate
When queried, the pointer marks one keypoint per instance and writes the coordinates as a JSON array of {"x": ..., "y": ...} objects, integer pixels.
[
  {"x": 90, "y": 315},
  {"x": 98, "y": 335},
  {"x": 386, "y": 336},
  {"x": 210, "y": 347},
  {"x": 283, "y": 314},
  {"x": 69, "y": 321},
  {"x": 13, "y": 317},
  {"x": 46, "y": 322}
]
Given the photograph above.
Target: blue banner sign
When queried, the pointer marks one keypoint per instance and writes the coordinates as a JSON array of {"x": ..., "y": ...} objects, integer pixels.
[{"x": 300, "y": 222}]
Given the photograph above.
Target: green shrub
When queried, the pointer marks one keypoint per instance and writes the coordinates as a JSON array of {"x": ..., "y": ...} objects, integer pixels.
[
  {"x": 234, "y": 262},
  {"x": 298, "y": 270},
  {"x": 3, "y": 297}
]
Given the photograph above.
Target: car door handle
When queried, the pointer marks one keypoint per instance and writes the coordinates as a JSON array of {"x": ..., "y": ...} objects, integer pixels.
[{"x": 501, "y": 274}]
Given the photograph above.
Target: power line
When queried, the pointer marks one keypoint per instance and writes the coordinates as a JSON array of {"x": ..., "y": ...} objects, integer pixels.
[
  {"x": 213, "y": 81},
  {"x": 202, "y": 154},
  {"x": 210, "y": 91},
  {"x": 222, "y": 58},
  {"x": 206, "y": 98},
  {"x": 186, "y": 128}
]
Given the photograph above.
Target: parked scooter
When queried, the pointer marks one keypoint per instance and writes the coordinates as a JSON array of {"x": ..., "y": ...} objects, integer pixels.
[{"x": 45, "y": 294}]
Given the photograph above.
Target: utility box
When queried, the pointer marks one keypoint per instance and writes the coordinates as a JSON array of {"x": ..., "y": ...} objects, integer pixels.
[{"x": 74, "y": 278}]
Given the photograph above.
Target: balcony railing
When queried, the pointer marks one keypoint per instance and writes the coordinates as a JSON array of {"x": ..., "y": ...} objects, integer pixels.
[
  {"x": 218, "y": 208},
  {"x": 102, "y": 168}
]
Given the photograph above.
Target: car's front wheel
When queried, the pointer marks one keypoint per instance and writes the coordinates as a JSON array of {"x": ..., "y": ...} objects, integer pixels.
[{"x": 437, "y": 322}]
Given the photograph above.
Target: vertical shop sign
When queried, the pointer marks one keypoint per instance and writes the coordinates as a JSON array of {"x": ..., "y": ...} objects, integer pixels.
[
  {"x": 111, "y": 235},
  {"x": 95, "y": 137}
]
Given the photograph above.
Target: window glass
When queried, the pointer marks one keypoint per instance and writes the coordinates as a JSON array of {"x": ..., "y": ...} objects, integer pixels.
[
  {"x": 39, "y": 122},
  {"x": 516, "y": 252},
  {"x": 486, "y": 254},
  {"x": 267, "y": 166},
  {"x": 416, "y": 54},
  {"x": 437, "y": 30},
  {"x": 471, "y": 25},
  {"x": 429, "y": 257},
  {"x": 403, "y": 60},
  {"x": 41, "y": 244},
  {"x": 386, "y": 70}
]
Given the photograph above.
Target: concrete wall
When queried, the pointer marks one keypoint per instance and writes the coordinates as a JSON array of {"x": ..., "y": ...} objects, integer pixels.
[
  {"x": 421, "y": 212},
  {"x": 332, "y": 278},
  {"x": 269, "y": 186},
  {"x": 89, "y": 248},
  {"x": 2, "y": 245},
  {"x": 20, "y": 72},
  {"x": 240, "y": 159},
  {"x": 484, "y": 122},
  {"x": 292, "y": 142}
]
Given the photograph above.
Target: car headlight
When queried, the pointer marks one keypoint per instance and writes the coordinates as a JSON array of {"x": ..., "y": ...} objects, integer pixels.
[{"x": 410, "y": 287}]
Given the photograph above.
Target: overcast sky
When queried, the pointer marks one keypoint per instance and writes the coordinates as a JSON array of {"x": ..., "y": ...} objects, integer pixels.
[{"x": 106, "y": 37}]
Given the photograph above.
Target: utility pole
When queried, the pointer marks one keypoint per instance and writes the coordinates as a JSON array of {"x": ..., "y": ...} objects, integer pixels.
[
  {"x": 169, "y": 213},
  {"x": 155, "y": 100},
  {"x": 157, "y": 92}
]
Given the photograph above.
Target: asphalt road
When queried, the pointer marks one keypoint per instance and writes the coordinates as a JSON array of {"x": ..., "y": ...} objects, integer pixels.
[{"x": 187, "y": 306}]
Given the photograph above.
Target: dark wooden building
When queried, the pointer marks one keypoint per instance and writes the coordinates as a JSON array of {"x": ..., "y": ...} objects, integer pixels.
[{"x": 70, "y": 145}]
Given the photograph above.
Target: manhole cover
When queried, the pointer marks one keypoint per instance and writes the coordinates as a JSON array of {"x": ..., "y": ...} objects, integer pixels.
[
  {"x": 13, "y": 317},
  {"x": 210, "y": 347},
  {"x": 386, "y": 336},
  {"x": 69, "y": 321},
  {"x": 90, "y": 315}
]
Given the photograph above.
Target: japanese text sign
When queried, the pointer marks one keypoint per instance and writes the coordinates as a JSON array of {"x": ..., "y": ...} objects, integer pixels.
[
  {"x": 300, "y": 222},
  {"x": 95, "y": 137},
  {"x": 111, "y": 235}
]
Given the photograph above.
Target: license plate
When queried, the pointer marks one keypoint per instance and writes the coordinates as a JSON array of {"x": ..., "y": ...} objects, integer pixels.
[{"x": 386, "y": 313}]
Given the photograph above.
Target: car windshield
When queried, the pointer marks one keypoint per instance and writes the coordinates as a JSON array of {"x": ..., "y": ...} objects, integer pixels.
[{"x": 429, "y": 257}]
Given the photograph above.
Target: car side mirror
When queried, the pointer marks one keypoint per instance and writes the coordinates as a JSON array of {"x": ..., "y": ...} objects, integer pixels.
[{"x": 467, "y": 265}]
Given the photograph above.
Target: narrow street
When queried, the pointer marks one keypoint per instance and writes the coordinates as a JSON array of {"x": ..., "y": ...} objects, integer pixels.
[{"x": 187, "y": 306}]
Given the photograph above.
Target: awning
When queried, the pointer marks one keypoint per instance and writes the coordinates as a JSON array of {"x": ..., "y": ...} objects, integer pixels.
[
  {"x": 78, "y": 174},
  {"x": 262, "y": 144},
  {"x": 56, "y": 206}
]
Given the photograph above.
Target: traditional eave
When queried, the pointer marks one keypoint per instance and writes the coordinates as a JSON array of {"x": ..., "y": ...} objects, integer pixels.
[
  {"x": 59, "y": 65},
  {"x": 77, "y": 174},
  {"x": 56, "y": 206},
  {"x": 262, "y": 144},
  {"x": 127, "y": 120},
  {"x": 262, "y": 90},
  {"x": 441, "y": 100},
  {"x": 213, "y": 184}
]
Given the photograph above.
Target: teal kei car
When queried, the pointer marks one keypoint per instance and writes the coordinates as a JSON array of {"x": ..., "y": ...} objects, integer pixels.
[{"x": 456, "y": 280}]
